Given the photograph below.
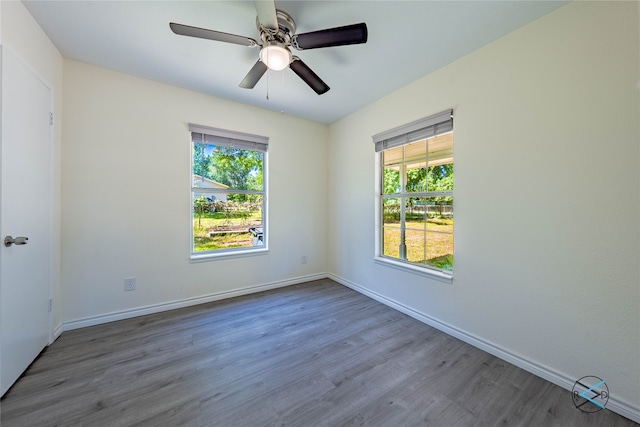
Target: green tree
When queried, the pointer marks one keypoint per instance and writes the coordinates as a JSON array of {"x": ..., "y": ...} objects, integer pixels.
[
  {"x": 416, "y": 180},
  {"x": 200, "y": 205},
  {"x": 200, "y": 160},
  {"x": 435, "y": 178},
  {"x": 237, "y": 168},
  {"x": 391, "y": 181},
  {"x": 440, "y": 178}
]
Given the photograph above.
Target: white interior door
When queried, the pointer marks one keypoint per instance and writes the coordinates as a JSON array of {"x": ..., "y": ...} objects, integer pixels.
[{"x": 25, "y": 200}]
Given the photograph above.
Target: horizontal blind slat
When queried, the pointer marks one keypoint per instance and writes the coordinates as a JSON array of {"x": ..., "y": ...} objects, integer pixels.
[
  {"x": 427, "y": 127},
  {"x": 226, "y": 138}
]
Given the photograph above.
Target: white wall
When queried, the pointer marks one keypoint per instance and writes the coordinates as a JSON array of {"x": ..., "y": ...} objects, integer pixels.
[
  {"x": 120, "y": 131},
  {"x": 21, "y": 33},
  {"x": 547, "y": 232}
]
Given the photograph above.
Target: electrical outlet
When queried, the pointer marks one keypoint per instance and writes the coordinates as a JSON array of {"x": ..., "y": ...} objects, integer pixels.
[
  {"x": 303, "y": 259},
  {"x": 129, "y": 283}
]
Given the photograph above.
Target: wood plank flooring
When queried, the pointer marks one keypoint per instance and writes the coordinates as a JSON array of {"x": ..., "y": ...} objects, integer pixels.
[{"x": 315, "y": 354}]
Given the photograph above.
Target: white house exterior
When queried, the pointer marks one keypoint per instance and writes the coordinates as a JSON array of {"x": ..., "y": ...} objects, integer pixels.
[{"x": 202, "y": 182}]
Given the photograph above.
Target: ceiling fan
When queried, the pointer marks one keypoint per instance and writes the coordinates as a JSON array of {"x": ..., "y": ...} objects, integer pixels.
[{"x": 277, "y": 32}]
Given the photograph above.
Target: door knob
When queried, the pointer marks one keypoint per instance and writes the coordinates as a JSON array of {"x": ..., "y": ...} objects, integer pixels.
[{"x": 9, "y": 240}]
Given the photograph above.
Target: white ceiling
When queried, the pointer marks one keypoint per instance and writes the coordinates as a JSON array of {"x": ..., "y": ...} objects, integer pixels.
[{"x": 407, "y": 40}]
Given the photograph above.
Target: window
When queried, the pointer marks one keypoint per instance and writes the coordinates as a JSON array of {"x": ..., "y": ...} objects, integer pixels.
[
  {"x": 416, "y": 193},
  {"x": 228, "y": 191}
]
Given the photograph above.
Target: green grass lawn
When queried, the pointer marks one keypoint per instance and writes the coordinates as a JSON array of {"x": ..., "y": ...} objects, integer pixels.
[
  {"x": 220, "y": 230},
  {"x": 430, "y": 243}
]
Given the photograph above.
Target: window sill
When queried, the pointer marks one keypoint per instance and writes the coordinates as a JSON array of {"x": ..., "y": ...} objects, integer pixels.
[
  {"x": 421, "y": 271},
  {"x": 195, "y": 258}
]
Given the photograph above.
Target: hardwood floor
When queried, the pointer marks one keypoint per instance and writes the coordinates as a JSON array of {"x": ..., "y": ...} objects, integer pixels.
[{"x": 315, "y": 354}]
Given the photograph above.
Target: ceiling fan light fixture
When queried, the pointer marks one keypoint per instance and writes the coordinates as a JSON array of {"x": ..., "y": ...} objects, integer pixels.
[{"x": 275, "y": 56}]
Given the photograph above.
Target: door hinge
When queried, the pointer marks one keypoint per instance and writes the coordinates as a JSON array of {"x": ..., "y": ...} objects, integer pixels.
[
  {"x": 51, "y": 118},
  {"x": 50, "y": 304}
]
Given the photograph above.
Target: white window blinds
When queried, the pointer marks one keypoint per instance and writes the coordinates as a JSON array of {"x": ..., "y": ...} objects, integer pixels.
[
  {"x": 427, "y": 127},
  {"x": 227, "y": 138}
]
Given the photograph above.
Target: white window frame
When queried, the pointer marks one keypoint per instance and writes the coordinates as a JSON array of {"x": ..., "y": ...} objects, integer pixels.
[
  {"x": 223, "y": 137},
  {"x": 436, "y": 124}
]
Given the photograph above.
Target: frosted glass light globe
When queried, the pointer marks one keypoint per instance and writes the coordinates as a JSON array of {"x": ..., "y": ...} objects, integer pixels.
[{"x": 275, "y": 56}]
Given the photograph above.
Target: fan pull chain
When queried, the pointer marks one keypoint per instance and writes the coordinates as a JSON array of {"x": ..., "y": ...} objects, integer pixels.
[
  {"x": 268, "y": 76},
  {"x": 282, "y": 73}
]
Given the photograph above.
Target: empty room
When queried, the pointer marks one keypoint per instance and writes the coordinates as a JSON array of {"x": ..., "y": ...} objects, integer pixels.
[{"x": 320, "y": 213}]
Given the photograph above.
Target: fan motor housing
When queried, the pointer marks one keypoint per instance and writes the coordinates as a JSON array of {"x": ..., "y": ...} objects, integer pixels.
[{"x": 286, "y": 28}]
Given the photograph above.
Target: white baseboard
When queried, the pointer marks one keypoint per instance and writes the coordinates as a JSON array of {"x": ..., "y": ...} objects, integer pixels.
[
  {"x": 187, "y": 302},
  {"x": 615, "y": 405},
  {"x": 57, "y": 332}
]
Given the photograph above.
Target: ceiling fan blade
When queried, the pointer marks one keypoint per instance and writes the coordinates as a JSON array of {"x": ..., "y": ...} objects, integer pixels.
[
  {"x": 254, "y": 75},
  {"x": 267, "y": 13},
  {"x": 339, "y": 36},
  {"x": 203, "y": 33},
  {"x": 309, "y": 77}
]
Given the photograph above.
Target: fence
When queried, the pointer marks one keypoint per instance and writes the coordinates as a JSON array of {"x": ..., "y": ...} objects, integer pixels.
[{"x": 431, "y": 210}]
